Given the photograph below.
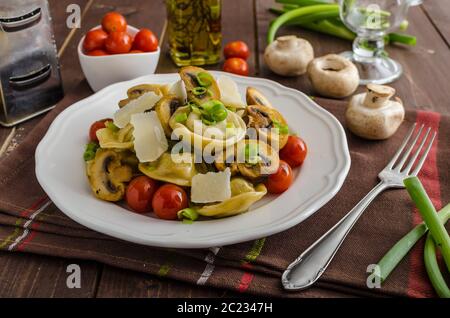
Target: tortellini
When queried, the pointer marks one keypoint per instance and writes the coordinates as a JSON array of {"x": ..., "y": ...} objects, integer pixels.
[
  {"x": 121, "y": 139},
  {"x": 243, "y": 195},
  {"x": 166, "y": 169},
  {"x": 214, "y": 136}
]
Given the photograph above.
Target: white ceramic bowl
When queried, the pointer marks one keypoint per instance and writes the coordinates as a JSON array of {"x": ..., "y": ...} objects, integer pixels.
[{"x": 101, "y": 71}]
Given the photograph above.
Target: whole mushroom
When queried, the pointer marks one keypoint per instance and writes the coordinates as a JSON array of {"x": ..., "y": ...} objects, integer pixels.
[
  {"x": 289, "y": 55},
  {"x": 373, "y": 115},
  {"x": 333, "y": 76}
]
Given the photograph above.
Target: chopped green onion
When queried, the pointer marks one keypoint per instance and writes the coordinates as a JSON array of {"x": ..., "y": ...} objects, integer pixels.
[
  {"x": 110, "y": 125},
  {"x": 251, "y": 153},
  {"x": 90, "y": 150},
  {"x": 230, "y": 125},
  {"x": 197, "y": 91},
  {"x": 204, "y": 79},
  {"x": 194, "y": 108},
  {"x": 282, "y": 129},
  {"x": 208, "y": 122},
  {"x": 214, "y": 111},
  {"x": 189, "y": 215},
  {"x": 181, "y": 118},
  {"x": 429, "y": 216}
]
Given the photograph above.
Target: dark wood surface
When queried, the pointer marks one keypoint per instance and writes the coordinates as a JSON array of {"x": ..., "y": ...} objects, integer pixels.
[{"x": 425, "y": 85}]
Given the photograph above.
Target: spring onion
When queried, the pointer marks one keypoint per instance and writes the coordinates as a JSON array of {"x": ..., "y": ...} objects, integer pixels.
[
  {"x": 393, "y": 257},
  {"x": 181, "y": 118},
  {"x": 282, "y": 129},
  {"x": 251, "y": 154},
  {"x": 90, "y": 150},
  {"x": 323, "y": 17},
  {"x": 110, "y": 125},
  {"x": 187, "y": 215},
  {"x": 430, "y": 217},
  {"x": 198, "y": 91},
  {"x": 433, "y": 270},
  {"x": 213, "y": 111},
  {"x": 204, "y": 79},
  {"x": 293, "y": 14}
]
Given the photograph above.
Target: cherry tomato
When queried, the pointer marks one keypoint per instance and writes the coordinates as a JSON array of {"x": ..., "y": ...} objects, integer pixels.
[
  {"x": 118, "y": 43},
  {"x": 136, "y": 51},
  {"x": 281, "y": 180},
  {"x": 96, "y": 126},
  {"x": 97, "y": 53},
  {"x": 236, "y": 49},
  {"x": 145, "y": 41},
  {"x": 140, "y": 193},
  {"x": 94, "y": 40},
  {"x": 236, "y": 65},
  {"x": 294, "y": 152},
  {"x": 114, "y": 22},
  {"x": 168, "y": 200}
]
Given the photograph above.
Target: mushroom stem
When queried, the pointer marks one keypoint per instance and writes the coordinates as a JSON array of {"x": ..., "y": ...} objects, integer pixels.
[{"x": 378, "y": 95}]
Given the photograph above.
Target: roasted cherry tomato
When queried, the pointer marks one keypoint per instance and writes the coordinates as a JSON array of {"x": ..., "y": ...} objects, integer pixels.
[
  {"x": 118, "y": 43},
  {"x": 114, "y": 22},
  {"x": 97, "y": 53},
  {"x": 140, "y": 193},
  {"x": 145, "y": 41},
  {"x": 136, "y": 51},
  {"x": 96, "y": 126},
  {"x": 281, "y": 180},
  {"x": 294, "y": 152},
  {"x": 168, "y": 200},
  {"x": 236, "y": 49},
  {"x": 94, "y": 40},
  {"x": 236, "y": 65}
]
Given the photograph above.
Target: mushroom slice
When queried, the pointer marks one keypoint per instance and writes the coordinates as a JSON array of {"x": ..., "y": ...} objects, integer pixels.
[
  {"x": 139, "y": 90},
  {"x": 255, "y": 97},
  {"x": 107, "y": 175},
  {"x": 243, "y": 195},
  {"x": 165, "y": 109},
  {"x": 253, "y": 159},
  {"x": 226, "y": 159},
  {"x": 189, "y": 76},
  {"x": 263, "y": 119}
]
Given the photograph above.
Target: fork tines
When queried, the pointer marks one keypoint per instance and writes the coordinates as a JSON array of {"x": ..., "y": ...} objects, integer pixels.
[{"x": 413, "y": 150}]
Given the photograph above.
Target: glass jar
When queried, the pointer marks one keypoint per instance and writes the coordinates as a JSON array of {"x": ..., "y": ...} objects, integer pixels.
[{"x": 194, "y": 29}]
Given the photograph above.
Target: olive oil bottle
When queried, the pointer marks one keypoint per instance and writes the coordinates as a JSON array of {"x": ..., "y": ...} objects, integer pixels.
[{"x": 194, "y": 29}]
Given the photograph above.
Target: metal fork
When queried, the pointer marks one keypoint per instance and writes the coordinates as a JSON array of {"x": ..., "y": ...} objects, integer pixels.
[{"x": 311, "y": 264}]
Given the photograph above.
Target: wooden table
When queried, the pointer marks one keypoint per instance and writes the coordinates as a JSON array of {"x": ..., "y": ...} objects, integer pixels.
[{"x": 425, "y": 84}]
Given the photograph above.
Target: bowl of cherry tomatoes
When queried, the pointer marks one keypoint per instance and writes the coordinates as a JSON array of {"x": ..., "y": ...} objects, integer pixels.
[{"x": 115, "y": 51}]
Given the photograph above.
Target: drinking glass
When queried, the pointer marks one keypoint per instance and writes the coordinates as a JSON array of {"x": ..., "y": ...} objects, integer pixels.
[{"x": 372, "y": 20}]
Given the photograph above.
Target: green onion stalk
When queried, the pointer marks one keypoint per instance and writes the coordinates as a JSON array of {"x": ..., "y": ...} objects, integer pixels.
[
  {"x": 323, "y": 17},
  {"x": 437, "y": 238},
  {"x": 429, "y": 216}
]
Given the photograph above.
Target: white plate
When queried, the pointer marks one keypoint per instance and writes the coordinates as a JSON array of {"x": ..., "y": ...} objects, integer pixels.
[{"x": 60, "y": 170}]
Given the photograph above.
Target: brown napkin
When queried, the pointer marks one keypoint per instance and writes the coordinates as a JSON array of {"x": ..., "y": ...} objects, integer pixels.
[{"x": 29, "y": 222}]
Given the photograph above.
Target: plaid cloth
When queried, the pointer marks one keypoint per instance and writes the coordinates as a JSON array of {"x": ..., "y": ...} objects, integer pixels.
[{"x": 29, "y": 222}]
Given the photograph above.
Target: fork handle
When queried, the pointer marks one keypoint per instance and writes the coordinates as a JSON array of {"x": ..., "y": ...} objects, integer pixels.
[{"x": 311, "y": 264}]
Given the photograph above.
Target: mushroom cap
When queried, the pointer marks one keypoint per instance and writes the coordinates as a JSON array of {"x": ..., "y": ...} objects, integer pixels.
[
  {"x": 373, "y": 123},
  {"x": 289, "y": 55},
  {"x": 333, "y": 76}
]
